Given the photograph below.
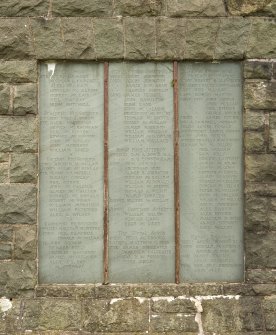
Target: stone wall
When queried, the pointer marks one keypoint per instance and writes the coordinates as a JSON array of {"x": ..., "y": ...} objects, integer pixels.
[{"x": 206, "y": 30}]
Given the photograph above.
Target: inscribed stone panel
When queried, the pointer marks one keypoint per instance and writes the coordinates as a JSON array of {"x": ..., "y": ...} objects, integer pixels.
[
  {"x": 141, "y": 196},
  {"x": 211, "y": 172},
  {"x": 71, "y": 173}
]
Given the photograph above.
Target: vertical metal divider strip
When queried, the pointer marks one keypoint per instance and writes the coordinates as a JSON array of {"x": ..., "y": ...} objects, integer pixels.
[
  {"x": 106, "y": 68},
  {"x": 176, "y": 173}
]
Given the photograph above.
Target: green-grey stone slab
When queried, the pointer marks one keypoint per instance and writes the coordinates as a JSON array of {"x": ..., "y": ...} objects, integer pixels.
[
  {"x": 211, "y": 172},
  {"x": 71, "y": 173},
  {"x": 141, "y": 194}
]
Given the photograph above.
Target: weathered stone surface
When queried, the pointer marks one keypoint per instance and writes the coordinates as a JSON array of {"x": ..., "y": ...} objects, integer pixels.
[
  {"x": 4, "y": 99},
  {"x": 24, "y": 8},
  {"x": 138, "y": 7},
  {"x": 238, "y": 289},
  {"x": 16, "y": 41},
  {"x": 25, "y": 246},
  {"x": 261, "y": 42},
  {"x": 257, "y": 70},
  {"x": 66, "y": 291},
  {"x": 76, "y": 47},
  {"x": 52, "y": 314},
  {"x": 4, "y": 173},
  {"x": 201, "y": 38},
  {"x": 272, "y": 214},
  {"x": 16, "y": 277},
  {"x": 205, "y": 289},
  {"x": 260, "y": 168},
  {"x": 272, "y": 121},
  {"x": 18, "y": 134},
  {"x": 231, "y": 315},
  {"x": 260, "y": 250},
  {"x": 250, "y": 7},
  {"x": 18, "y": 71},
  {"x": 109, "y": 292},
  {"x": 159, "y": 305},
  {"x": 254, "y": 142},
  {"x": 196, "y": 8},
  {"x": 82, "y": 7},
  {"x": 5, "y": 251},
  {"x": 256, "y": 210},
  {"x": 261, "y": 276},
  {"x": 18, "y": 204},
  {"x": 254, "y": 120},
  {"x": 272, "y": 140},
  {"x": 4, "y": 157},
  {"x": 269, "y": 305},
  {"x": 48, "y": 40},
  {"x": 265, "y": 289},
  {"x": 10, "y": 320},
  {"x": 116, "y": 316},
  {"x": 23, "y": 168},
  {"x": 24, "y": 99},
  {"x": 109, "y": 39},
  {"x": 139, "y": 38},
  {"x": 260, "y": 94},
  {"x": 159, "y": 290},
  {"x": 231, "y": 39},
  {"x": 261, "y": 189},
  {"x": 170, "y": 322},
  {"x": 6, "y": 233},
  {"x": 170, "y": 38}
]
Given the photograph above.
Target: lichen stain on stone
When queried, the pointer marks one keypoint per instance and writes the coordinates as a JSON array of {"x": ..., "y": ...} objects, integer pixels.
[
  {"x": 5, "y": 304},
  {"x": 51, "y": 68}
]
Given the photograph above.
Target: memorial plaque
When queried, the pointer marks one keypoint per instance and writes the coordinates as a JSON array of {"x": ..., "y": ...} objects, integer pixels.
[
  {"x": 211, "y": 172},
  {"x": 71, "y": 173},
  {"x": 141, "y": 177}
]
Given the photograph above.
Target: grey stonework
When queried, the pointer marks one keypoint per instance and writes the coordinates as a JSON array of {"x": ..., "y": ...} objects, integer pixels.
[{"x": 162, "y": 30}]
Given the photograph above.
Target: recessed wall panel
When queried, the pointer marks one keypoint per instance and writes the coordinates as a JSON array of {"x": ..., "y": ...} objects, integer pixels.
[
  {"x": 141, "y": 191},
  {"x": 71, "y": 173},
  {"x": 211, "y": 172}
]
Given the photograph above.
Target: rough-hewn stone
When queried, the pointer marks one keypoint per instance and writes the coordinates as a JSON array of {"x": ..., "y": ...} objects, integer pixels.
[
  {"x": 138, "y": 7},
  {"x": 269, "y": 306},
  {"x": 52, "y": 314},
  {"x": 4, "y": 173},
  {"x": 18, "y": 204},
  {"x": 5, "y": 251},
  {"x": 170, "y": 322},
  {"x": 109, "y": 292},
  {"x": 6, "y": 233},
  {"x": 260, "y": 94},
  {"x": 18, "y": 71},
  {"x": 254, "y": 142},
  {"x": 159, "y": 290},
  {"x": 66, "y": 291},
  {"x": 82, "y": 7},
  {"x": 205, "y": 289},
  {"x": 25, "y": 242},
  {"x": 272, "y": 132},
  {"x": 257, "y": 70},
  {"x": 18, "y": 134},
  {"x": 16, "y": 40},
  {"x": 16, "y": 277},
  {"x": 24, "y": 99},
  {"x": 201, "y": 35},
  {"x": 4, "y": 157},
  {"x": 264, "y": 289},
  {"x": 140, "y": 38},
  {"x": 109, "y": 39},
  {"x": 24, "y": 8},
  {"x": 173, "y": 306},
  {"x": 261, "y": 276},
  {"x": 256, "y": 209},
  {"x": 260, "y": 168},
  {"x": 127, "y": 315},
  {"x": 254, "y": 120},
  {"x": 261, "y": 43},
  {"x": 235, "y": 289},
  {"x": 5, "y": 99},
  {"x": 272, "y": 214},
  {"x": 76, "y": 47},
  {"x": 171, "y": 34},
  {"x": 10, "y": 320},
  {"x": 260, "y": 250},
  {"x": 196, "y": 8},
  {"x": 231, "y": 39},
  {"x": 23, "y": 168},
  {"x": 48, "y": 38},
  {"x": 250, "y": 7}
]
